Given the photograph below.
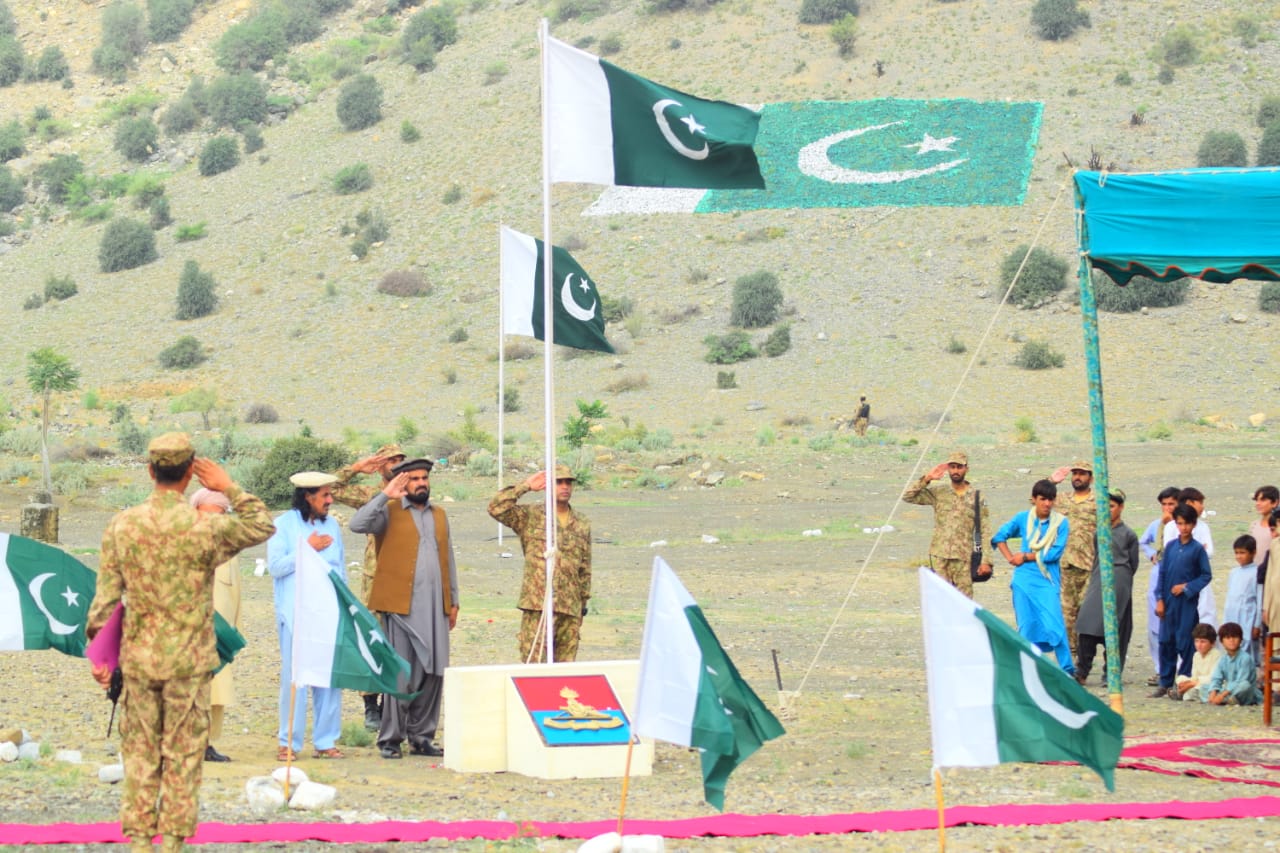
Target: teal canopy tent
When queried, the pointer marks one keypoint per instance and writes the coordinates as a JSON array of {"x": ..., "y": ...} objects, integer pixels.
[{"x": 1213, "y": 224}]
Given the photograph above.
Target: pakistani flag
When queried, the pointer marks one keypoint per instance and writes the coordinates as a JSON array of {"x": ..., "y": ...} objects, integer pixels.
[
  {"x": 690, "y": 693},
  {"x": 44, "y": 597},
  {"x": 611, "y": 127},
  {"x": 994, "y": 698},
  {"x": 336, "y": 641},
  {"x": 579, "y": 317}
]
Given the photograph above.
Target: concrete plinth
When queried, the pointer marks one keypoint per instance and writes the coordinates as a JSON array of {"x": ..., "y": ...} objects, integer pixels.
[{"x": 40, "y": 518}]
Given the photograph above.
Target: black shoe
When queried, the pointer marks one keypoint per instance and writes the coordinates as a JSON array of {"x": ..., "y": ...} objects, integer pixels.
[
  {"x": 1161, "y": 692},
  {"x": 426, "y": 748},
  {"x": 372, "y": 714},
  {"x": 390, "y": 751},
  {"x": 211, "y": 754}
]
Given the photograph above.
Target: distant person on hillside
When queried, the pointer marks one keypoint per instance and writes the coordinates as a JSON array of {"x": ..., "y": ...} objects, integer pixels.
[
  {"x": 1195, "y": 687},
  {"x": 863, "y": 418},
  {"x": 1184, "y": 573},
  {"x": 954, "y": 516},
  {"x": 1152, "y": 545},
  {"x": 1081, "y": 509},
  {"x": 1124, "y": 560},
  {"x": 1193, "y": 496},
  {"x": 1241, "y": 605},
  {"x": 1037, "y": 604},
  {"x": 1235, "y": 680}
]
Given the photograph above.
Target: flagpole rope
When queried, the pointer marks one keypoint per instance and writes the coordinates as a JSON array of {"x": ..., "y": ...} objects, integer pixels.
[{"x": 927, "y": 446}]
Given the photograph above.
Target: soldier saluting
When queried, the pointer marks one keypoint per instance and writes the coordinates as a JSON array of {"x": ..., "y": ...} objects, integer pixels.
[{"x": 954, "y": 517}]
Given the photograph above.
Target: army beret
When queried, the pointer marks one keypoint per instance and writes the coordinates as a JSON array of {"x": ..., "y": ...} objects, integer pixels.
[
  {"x": 413, "y": 465},
  {"x": 312, "y": 479},
  {"x": 171, "y": 448}
]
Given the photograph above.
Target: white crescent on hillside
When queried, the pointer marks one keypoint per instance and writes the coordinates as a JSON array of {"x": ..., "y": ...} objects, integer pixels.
[
  {"x": 364, "y": 649},
  {"x": 815, "y": 161},
  {"x": 1035, "y": 689},
  {"x": 660, "y": 116},
  {"x": 62, "y": 629},
  {"x": 571, "y": 305}
]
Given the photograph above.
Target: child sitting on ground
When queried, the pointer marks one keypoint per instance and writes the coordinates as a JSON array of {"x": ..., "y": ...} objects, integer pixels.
[
  {"x": 1242, "y": 597},
  {"x": 1235, "y": 679},
  {"x": 1195, "y": 687}
]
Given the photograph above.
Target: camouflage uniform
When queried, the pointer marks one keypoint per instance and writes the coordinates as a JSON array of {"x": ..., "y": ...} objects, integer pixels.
[
  {"x": 572, "y": 579},
  {"x": 161, "y": 556},
  {"x": 952, "y": 542},
  {"x": 1078, "y": 557},
  {"x": 355, "y": 495}
]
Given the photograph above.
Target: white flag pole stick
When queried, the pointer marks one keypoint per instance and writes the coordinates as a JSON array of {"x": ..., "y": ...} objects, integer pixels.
[
  {"x": 626, "y": 780},
  {"x": 942, "y": 815},
  {"x": 548, "y": 334},
  {"x": 293, "y": 668},
  {"x": 502, "y": 388}
]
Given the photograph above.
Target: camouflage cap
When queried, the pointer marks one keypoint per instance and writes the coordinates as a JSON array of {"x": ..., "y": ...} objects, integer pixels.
[
  {"x": 419, "y": 464},
  {"x": 312, "y": 479},
  {"x": 1116, "y": 495},
  {"x": 564, "y": 473},
  {"x": 1082, "y": 465},
  {"x": 171, "y": 448},
  {"x": 958, "y": 457},
  {"x": 389, "y": 451}
]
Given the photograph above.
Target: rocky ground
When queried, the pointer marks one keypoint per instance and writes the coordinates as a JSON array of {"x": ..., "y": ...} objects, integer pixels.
[{"x": 841, "y": 609}]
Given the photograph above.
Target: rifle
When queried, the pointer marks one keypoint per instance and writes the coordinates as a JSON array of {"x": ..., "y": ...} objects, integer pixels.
[{"x": 113, "y": 693}]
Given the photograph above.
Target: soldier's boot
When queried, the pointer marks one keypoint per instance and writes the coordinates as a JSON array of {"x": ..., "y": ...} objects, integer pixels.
[
  {"x": 172, "y": 844},
  {"x": 140, "y": 844},
  {"x": 372, "y": 712}
]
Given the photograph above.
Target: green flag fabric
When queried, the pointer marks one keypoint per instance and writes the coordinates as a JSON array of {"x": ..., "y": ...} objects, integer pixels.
[
  {"x": 44, "y": 597},
  {"x": 608, "y": 126},
  {"x": 578, "y": 314}
]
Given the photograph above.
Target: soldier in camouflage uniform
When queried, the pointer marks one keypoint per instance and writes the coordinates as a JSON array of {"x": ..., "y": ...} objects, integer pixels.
[
  {"x": 161, "y": 557},
  {"x": 356, "y": 495},
  {"x": 1081, "y": 511},
  {"x": 572, "y": 579},
  {"x": 952, "y": 542}
]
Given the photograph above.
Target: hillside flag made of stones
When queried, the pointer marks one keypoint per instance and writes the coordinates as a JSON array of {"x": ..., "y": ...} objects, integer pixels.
[
  {"x": 886, "y": 152},
  {"x": 608, "y": 126},
  {"x": 690, "y": 693},
  {"x": 994, "y": 698},
  {"x": 44, "y": 597},
  {"x": 577, "y": 312}
]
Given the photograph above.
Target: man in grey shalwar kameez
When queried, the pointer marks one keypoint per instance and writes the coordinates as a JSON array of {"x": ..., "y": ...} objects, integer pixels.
[{"x": 416, "y": 592}]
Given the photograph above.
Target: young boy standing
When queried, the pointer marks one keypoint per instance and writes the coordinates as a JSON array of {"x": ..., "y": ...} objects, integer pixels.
[
  {"x": 1184, "y": 572},
  {"x": 1242, "y": 597},
  {"x": 1195, "y": 687},
  {"x": 1152, "y": 545},
  {"x": 1235, "y": 680},
  {"x": 1124, "y": 560}
]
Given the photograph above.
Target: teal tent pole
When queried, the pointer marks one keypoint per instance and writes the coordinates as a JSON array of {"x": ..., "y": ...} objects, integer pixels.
[{"x": 1101, "y": 478}]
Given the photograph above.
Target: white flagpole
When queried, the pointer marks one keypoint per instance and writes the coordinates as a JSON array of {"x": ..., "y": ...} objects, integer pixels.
[
  {"x": 548, "y": 334},
  {"x": 502, "y": 388}
]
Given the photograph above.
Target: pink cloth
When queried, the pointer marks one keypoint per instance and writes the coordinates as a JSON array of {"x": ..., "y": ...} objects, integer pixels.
[{"x": 105, "y": 646}]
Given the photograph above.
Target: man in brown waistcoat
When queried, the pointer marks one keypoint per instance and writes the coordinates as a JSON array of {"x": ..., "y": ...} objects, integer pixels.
[{"x": 416, "y": 592}]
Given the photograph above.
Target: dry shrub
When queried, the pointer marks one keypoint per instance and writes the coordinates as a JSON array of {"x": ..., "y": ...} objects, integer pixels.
[
  {"x": 261, "y": 413},
  {"x": 628, "y": 382},
  {"x": 79, "y": 452},
  {"x": 519, "y": 350},
  {"x": 481, "y": 196},
  {"x": 678, "y": 315},
  {"x": 404, "y": 283},
  {"x": 796, "y": 420}
]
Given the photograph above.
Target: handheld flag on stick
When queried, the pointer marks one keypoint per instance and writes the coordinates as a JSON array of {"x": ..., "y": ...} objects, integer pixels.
[
  {"x": 690, "y": 693},
  {"x": 578, "y": 314},
  {"x": 608, "y": 126},
  {"x": 994, "y": 698},
  {"x": 336, "y": 641},
  {"x": 44, "y": 597}
]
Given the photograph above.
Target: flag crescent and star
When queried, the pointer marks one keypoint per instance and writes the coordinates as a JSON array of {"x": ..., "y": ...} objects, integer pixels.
[
  {"x": 62, "y": 629},
  {"x": 571, "y": 305},
  {"x": 374, "y": 637}
]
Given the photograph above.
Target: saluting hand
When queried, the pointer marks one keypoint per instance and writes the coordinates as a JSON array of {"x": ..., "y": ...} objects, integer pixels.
[
  {"x": 210, "y": 474},
  {"x": 937, "y": 472},
  {"x": 537, "y": 482},
  {"x": 397, "y": 486}
]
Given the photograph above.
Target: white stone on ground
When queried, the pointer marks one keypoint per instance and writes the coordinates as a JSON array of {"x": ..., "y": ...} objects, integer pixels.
[
  {"x": 610, "y": 842},
  {"x": 8, "y": 751},
  {"x": 69, "y": 756},
  {"x": 111, "y": 773},
  {"x": 296, "y": 775},
  {"x": 263, "y": 793},
  {"x": 312, "y": 795}
]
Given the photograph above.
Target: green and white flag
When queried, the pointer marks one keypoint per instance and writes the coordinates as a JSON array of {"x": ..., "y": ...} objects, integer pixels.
[
  {"x": 578, "y": 315},
  {"x": 44, "y": 597},
  {"x": 608, "y": 126},
  {"x": 690, "y": 693},
  {"x": 994, "y": 698},
  {"x": 336, "y": 641}
]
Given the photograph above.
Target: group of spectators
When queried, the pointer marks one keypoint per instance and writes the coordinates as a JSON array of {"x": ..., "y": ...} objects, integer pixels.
[{"x": 1057, "y": 584}]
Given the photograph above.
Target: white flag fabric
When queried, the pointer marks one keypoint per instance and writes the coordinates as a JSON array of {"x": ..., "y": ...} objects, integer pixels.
[{"x": 315, "y": 619}]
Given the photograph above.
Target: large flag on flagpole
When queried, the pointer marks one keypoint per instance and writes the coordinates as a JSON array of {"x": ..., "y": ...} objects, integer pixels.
[
  {"x": 336, "y": 641},
  {"x": 578, "y": 314},
  {"x": 608, "y": 126},
  {"x": 44, "y": 597},
  {"x": 994, "y": 697},
  {"x": 690, "y": 693}
]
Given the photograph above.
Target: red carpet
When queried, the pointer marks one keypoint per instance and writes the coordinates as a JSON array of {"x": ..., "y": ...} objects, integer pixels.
[
  {"x": 1249, "y": 761},
  {"x": 727, "y": 825}
]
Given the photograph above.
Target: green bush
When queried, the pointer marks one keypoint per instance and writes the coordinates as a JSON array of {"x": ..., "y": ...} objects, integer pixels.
[
  {"x": 1141, "y": 292},
  {"x": 59, "y": 287},
  {"x": 187, "y": 233},
  {"x": 725, "y": 379},
  {"x": 51, "y": 65},
  {"x": 249, "y": 44},
  {"x": 1248, "y": 30},
  {"x": 8, "y": 26},
  {"x": 458, "y": 335},
  {"x": 826, "y": 11},
  {"x": 360, "y": 102},
  {"x": 1124, "y": 78},
  {"x": 1269, "y": 297},
  {"x": 1222, "y": 148},
  {"x": 11, "y": 194},
  {"x": 756, "y": 300},
  {"x": 372, "y": 225},
  {"x": 1269, "y": 111},
  {"x": 12, "y": 60},
  {"x": 166, "y": 19},
  {"x": 1038, "y": 355},
  {"x": 32, "y": 302},
  {"x": 778, "y": 342},
  {"x": 124, "y": 36},
  {"x": 159, "y": 213},
  {"x": 218, "y": 155},
  {"x": 198, "y": 93},
  {"x": 13, "y": 140},
  {"x": 1269, "y": 146},
  {"x": 844, "y": 33},
  {"x": 729, "y": 348},
  {"x": 452, "y": 195},
  {"x": 181, "y": 116},
  {"x": 126, "y": 244},
  {"x": 197, "y": 293},
  {"x": 287, "y": 456},
  {"x": 184, "y": 353},
  {"x": 955, "y": 346},
  {"x": 1055, "y": 20},
  {"x": 408, "y": 132},
  {"x": 136, "y": 138},
  {"x": 1165, "y": 76},
  {"x": 131, "y": 438},
  {"x": 1044, "y": 275},
  {"x": 302, "y": 20},
  {"x": 252, "y": 136},
  {"x": 236, "y": 98},
  {"x": 1178, "y": 48},
  {"x": 426, "y": 33},
  {"x": 511, "y": 399},
  {"x": 611, "y": 45},
  {"x": 568, "y": 10},
  {"x": 353, "y": 179}
]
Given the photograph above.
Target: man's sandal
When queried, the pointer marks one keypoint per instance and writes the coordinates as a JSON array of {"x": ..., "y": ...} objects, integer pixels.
[
  {"x": 284, "y": 753},
  {"x": 331, "y": 752}
]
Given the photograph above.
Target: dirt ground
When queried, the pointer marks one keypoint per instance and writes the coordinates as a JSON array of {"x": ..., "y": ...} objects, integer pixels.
[{"x": 841, "y": 609}]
